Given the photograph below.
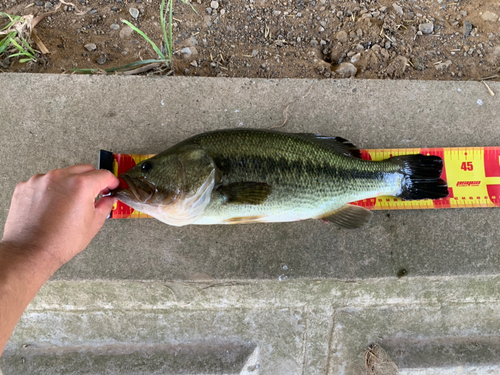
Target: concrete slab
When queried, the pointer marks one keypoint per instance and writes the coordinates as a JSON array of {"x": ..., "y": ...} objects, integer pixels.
[
  {"x": 51, "y": 121},
  {"x": 424, "y": 324}
]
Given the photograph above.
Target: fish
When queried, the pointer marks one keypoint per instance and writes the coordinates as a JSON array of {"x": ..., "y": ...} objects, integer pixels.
[{"x": 239, "y": 176}]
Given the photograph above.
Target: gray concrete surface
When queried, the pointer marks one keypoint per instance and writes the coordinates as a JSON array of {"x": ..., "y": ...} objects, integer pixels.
[
  {"x": 53, "y": 121},
  {"x": 281, "y": 299},
  {"x": 293, "y": 327}
]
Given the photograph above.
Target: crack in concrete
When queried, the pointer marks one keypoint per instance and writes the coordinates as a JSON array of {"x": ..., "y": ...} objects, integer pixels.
[{"x": 330, "y": 339}]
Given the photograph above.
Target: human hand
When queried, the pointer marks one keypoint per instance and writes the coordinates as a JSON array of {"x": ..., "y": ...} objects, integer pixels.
[{"x": 56, "y": 213}]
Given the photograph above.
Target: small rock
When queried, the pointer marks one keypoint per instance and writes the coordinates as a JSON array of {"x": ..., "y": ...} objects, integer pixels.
[
  {"x": 342, "y": 37},
  {"x": 115, "y": 26},
  {"x": 101, "y": 60},
  {"x": 126, "y": 32},
  {"x": 467, "y": 28},
  {"x": 39, "y": 3},
  {"x": 255, "y": 53},
  {"x": 48, "y": 4},
  {"x": 314, "y": 43},
  {"x": 90, "y": 47},
  {"x": 360, "y": 47},
  {"x": 194, "y": 63},
  {"x": 214, "y": 4},
  {"x": 209, "y": 10},
  {"x": 356, "y": 58},
  {"x": 5, "y": 63},
  {"x": 418, "y": 63},
  {"x": 359, "y": 33},
  {"x": 398, "y": 9},
  {"x": 487, "y": 16},
  {"x": 134, "y": 12},
  {"x": 186, "y": 52},
  {"x": 222, "y": 12},
  {"x": 337, "y": 53},
  {"x": 426, "y": 28},
  {"x": 443, "y": 65},
  {"x": 346, "y": 70}
]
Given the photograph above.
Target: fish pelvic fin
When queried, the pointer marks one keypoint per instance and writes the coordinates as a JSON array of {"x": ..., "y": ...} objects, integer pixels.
[
  {"x": 422, "y": 178},
  {"x": 349, "y": 216},
  {"x": 245, "y": 192}
]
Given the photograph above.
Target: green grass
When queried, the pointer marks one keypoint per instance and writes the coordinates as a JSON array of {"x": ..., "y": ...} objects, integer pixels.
[
  {"x": 164, "y": 54},
  {"x": 13, "y": 41}
]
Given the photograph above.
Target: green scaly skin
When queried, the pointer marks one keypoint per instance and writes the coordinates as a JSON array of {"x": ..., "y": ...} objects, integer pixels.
[{"x": 308, "y": 178}]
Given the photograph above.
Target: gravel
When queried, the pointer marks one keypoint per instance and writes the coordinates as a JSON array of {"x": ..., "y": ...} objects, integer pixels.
[
  {"x": 489, "y": 16},
  {"x": 186, "y": 52},
  {"x": 134, "y": 12},
  {"x": 346, "y": 70},
  {"x": 90, "y": 47},
  {"x": 398, "y": 9},
  {"x": 467, "y": 28},
  {"x": 115, "y": 26},
  {"x": 342, "y": 37},
  {"x": 426, "y": 28},
  {"x": 101, "y": 60}
]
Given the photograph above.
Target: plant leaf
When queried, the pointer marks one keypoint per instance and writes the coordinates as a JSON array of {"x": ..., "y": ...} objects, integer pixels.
[
  {"x": 13, "y": 20},
  {"x": 155, "y": 47},
  {"x": 117, "y": 69},
  {"x": 5, "y": 42},
  {"x": 191, "y": 5}
]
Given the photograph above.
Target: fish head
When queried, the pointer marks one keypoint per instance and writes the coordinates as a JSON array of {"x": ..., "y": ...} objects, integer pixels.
[{"x": 174, "y": 186}]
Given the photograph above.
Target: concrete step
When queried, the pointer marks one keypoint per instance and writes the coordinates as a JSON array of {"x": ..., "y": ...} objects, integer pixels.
[
  {"x": 421, "y": 325},
  {"x": 59, "y": 120}
]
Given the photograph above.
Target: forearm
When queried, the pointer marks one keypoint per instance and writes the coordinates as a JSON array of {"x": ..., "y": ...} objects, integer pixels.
[{"x": 23, "y": 271}]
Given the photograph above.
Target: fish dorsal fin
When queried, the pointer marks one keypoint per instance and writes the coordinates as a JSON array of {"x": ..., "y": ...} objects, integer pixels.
[
  {"x": 245, "y": 192},
  {"x": 340, "y": 145},
  {"x": 350, "y": 216}
]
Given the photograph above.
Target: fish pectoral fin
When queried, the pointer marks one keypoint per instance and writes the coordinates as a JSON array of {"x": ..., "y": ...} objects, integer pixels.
[
  {"x": 245, "y": 192},
  {"x": 338, "y": 144},
  {"x": 350, "y": 216}
]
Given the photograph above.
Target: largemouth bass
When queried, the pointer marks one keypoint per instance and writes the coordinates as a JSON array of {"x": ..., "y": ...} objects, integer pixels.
[{"x": 247, "y": 176}]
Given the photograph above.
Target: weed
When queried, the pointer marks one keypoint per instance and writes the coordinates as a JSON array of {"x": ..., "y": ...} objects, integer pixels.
[
  {"x": 14, "y": 40},
  {"x": 164, "y": 54}
]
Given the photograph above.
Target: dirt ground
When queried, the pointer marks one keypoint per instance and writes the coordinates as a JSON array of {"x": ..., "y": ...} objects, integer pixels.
[{"x": 417, "y": 39}]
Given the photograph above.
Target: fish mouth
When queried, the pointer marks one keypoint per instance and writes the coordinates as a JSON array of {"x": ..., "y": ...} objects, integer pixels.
[{"x": 140, "y": 191}]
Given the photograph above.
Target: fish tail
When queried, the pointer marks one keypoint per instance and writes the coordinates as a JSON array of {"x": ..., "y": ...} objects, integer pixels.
[{"x": 422, "y": 177}]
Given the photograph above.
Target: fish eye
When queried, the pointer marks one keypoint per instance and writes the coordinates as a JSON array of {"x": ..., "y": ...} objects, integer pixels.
[{"x": 146, "y": 166}]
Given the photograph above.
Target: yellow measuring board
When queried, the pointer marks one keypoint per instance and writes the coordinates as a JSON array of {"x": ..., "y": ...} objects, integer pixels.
[{"x": 472, "y": 173}]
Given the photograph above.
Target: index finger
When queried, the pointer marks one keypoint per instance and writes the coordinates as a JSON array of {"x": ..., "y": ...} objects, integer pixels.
[{"x": 102, "y": 179}]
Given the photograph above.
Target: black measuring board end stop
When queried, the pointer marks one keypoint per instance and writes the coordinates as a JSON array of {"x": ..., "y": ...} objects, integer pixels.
[{"x": 106, "y": 160}]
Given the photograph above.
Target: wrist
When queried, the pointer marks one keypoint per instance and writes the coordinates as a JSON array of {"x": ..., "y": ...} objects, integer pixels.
[{"x": 24, "y": 260}]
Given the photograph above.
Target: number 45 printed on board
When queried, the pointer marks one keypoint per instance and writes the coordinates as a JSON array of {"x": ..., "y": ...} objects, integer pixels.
[{"x": 467, "y": 166}]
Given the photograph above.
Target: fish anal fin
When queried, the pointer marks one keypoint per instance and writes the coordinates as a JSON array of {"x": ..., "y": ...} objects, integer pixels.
[
  {"x": 349, "y": 216},
  {"x": 245, "y": 192},
  {"x": 341, "y": 145}
]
